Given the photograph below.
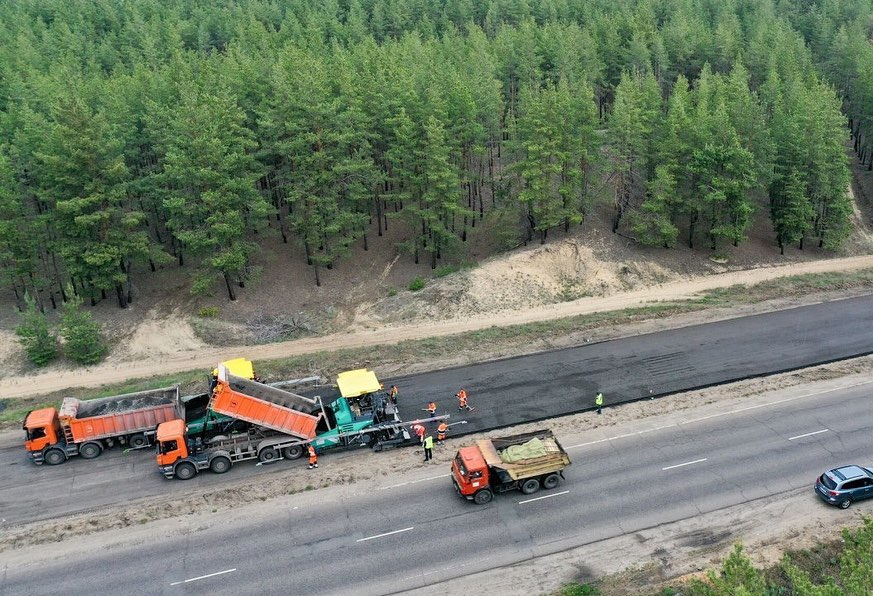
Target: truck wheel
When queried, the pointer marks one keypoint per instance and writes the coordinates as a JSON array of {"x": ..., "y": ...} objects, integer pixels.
[
  {"x": 185, "y": 471},
  {"x": 137, "y": 441},
  {"x": 219, "y": 464},
  {"x": 483, "y": 496},
  {"x": 90, "y": 450},
  {"x": 530, "y": 486},
  {"x": 267, "y": 454},
  {"x": 551, "y": 481},
  {"x": 54, "y": 457},
  {"x": 367, "y": 439},
  {"x": 293, "y": 452}
]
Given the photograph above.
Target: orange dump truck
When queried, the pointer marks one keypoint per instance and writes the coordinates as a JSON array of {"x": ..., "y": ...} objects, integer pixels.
[
  {"x": 86, "y": 428},
  {"x": 524, "y": 462},
  {"x": 279, "y": 424}
]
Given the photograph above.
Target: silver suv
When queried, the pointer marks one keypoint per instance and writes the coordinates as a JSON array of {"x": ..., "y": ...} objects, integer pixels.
[{"x": 842, "y": 486}]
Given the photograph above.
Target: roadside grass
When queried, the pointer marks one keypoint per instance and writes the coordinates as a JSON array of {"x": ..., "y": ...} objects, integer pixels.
[{"x": 485, "y": 344}]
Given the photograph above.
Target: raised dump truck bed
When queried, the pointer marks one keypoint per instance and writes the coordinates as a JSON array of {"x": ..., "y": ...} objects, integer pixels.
[{"x": 262, "y": 405}]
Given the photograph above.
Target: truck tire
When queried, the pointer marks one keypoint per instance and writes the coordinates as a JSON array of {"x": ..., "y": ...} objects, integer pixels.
[
  {"x": 551, "y": 481},
  {"x": 483, "y": 496},
  {"x": 220, "y": 464},
  {"x": 90, "y": 450},
  {"x": 293, "y": 452},
  {"x": 185, "y": 471},
  {"x": 267, "y": 454},
  {"x": 54, "y": 457},
  {"x": 137, "y": 441},
  {"x": 530, "y": 486}
]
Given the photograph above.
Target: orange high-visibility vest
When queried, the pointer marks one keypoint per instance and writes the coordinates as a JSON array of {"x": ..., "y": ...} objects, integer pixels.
[{"x": 313, "y": 457}]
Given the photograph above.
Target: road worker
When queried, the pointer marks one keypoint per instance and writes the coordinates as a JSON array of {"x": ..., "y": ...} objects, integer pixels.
[
  {"x": 313, "y": 458},
  {"x": 428, "y": 448},
  {"x": 598, "y": 401},
  {"x": 431, "y": 408},
  {"x": 213, "y": 380},
  {"x": 392, "y": 394},
  {"x": 419, "y": 431},
  {"x": 442, "y": 429},
  {"x": 462, "y": 401}
]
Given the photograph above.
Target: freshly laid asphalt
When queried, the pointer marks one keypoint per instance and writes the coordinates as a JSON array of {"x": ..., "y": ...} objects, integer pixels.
[{"x": 559, "y": 382}]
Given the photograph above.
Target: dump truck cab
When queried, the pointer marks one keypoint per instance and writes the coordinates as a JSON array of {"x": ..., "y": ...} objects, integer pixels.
[
  {"x": 470, "y": 472},
  {"x": 42, "y": 430},
  {"x": 171, "y": 443}
]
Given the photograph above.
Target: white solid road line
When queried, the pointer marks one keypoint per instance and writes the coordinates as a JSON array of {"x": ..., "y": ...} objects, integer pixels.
[
  {"x": 818, "y": 432},
  {"x": 688, "y": 463},
  {"x": 563, "y": 492},
  {"x": 385, "y": 534},
  {"x": 194, "y": 579}
]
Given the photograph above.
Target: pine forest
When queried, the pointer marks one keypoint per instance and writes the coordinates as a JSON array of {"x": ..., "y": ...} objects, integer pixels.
[{"x": 138, "y": 135}]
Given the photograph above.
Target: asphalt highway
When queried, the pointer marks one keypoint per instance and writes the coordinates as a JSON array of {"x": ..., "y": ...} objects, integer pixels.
[
  {"x": 504, "y": 392},
  {"x": 406, "y": 532}
]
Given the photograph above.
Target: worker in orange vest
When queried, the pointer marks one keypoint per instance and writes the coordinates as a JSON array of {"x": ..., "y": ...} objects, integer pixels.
[
  {"x": 419, "y": 432},
  {"x": 442, "y": 429},
  {"x": 431, "y": 408},
  {"x": 313, "y": 458},
  {"x": 462, "y": 400}
]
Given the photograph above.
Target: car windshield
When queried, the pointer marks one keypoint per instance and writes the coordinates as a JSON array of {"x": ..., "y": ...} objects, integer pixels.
[{"x": 827, "y": 481}]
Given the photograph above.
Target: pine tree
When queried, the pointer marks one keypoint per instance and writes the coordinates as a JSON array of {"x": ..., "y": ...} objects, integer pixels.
[
  {"x": 39, "y": 342},
  {"x": 83, "y": 340}
]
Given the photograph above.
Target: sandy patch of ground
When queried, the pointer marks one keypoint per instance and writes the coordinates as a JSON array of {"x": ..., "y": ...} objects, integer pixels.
[
  {"x": 9, "y": 346},
  {"x": 562, "y": 271},
  {"x": 159, "y": 334}
]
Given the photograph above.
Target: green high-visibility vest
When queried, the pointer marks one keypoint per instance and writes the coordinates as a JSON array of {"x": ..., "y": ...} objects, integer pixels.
[
  {"x": 598, "y": 401},
  {"x": 428, "y": 442}
]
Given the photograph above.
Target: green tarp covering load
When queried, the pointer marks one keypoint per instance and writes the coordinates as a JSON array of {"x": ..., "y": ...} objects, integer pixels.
[{"x": 531, "y": 449}]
